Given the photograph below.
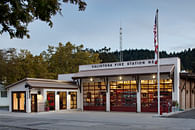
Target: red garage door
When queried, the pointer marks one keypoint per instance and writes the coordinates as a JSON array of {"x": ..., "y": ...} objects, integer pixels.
[
  {"x": 149, "y": 102},
  {"x": 123, "y": 96},
  {"x": 94, "y": 96}
]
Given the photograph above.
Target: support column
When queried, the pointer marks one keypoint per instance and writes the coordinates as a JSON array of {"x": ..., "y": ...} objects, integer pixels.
[
  {"x": 139, "y": 96},
  {"x": 68, "y": 100},
  {"x": 28, "y": 101},
  {"x": 57, "y": 101},
  {"x": 81, "y": 95},
  {"x": 107, "y": 95}
]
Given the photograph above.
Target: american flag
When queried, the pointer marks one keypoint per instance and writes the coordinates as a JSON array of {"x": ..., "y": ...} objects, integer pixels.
[{"x": 155, "y": 37}]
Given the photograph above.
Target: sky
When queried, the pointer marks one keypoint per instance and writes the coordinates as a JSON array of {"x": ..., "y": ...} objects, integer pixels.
[{"x": 98, "y": 26}]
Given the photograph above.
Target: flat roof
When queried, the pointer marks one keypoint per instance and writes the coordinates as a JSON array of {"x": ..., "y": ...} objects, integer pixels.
[
  {"x": 187, "y": 75},
  {"x": 125, "y": 71},
  {"x": 46, "y": 83},
  {"x": 131, "y": 63}
]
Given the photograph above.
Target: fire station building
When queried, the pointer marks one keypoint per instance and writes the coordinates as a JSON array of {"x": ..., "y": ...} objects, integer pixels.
[{"x": 129, "y": 86}]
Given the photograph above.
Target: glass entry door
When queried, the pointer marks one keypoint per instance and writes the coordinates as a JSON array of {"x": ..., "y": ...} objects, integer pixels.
[
  {"x": 63, "y": 100},
  {"x": 73, "y": 100},
  {"x": 51, "y": 99},
  {"x": 33, "y": 102},
  {"x": 18, "y": 102}
]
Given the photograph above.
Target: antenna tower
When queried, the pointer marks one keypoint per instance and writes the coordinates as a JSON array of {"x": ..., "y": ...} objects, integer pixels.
[{"x": 121, "y": 51}]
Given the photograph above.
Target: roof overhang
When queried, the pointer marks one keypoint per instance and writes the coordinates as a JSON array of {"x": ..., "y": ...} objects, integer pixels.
[
  {"x": 54, "y": 85},
  {"x": 45, "y": 83},
  {"x": 187, "y": 75},
  {"x": 124, "y": 71}
]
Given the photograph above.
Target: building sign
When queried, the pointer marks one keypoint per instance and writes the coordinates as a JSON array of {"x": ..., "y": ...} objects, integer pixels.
[{"x": 117, "y": 65}]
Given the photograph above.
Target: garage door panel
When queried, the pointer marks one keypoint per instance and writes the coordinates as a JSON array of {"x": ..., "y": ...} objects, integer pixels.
[
  {"x": 123, "y": 96},
  {"x": 149, "y": 101},
  {"x": 94, "y": 96}
]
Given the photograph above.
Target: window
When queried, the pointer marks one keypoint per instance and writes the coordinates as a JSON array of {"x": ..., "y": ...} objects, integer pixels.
[
  {"x": 123, "y": 95},
  {"x": 94, "y": 95},
  {"x": 149, "y": 94},
  {"x": 3, "y": 93},
  {"x": 73, "y": 100},
  {"x": 51, "y": 99},
  {"x": 18, "y": 101},
  {"x": 63, "y": 100}
]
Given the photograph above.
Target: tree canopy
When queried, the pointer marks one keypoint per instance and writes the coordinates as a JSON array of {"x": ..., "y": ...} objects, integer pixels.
[
  {"x": 66, "y": 58},
  {"x": 56, "y": 60},
  {"x": 187, "y": 56},
  {"x": 15, "y": 15}
]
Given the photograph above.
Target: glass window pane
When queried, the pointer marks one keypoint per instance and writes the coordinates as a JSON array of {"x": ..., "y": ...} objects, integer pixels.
[
  {"x": 3, "y": 93},
  {"x": 51, "y": 99},
  {"x": 22, "y": 101},
  {"x": 15, "y": 101}
]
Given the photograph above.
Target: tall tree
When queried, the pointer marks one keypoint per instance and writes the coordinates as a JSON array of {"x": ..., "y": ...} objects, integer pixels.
[
  {"x": 106, "y": 55},
  {"x": 15, "y": 15},
  {"x": 68, "y": 57},
  {"x": 2, "y": 66}
]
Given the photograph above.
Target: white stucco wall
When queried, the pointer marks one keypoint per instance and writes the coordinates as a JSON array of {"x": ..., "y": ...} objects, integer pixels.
[
  {"x": 19, "y": 87},
  {"x": 4, "y": 101},
  {"x": 66, "y": 77}
]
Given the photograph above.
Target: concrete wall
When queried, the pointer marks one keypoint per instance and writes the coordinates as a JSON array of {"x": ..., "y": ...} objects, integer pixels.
[{"x": 66, "y": 77}]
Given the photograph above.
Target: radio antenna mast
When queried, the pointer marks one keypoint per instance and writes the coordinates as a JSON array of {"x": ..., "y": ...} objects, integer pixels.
[{"x": 121, "y": 51}]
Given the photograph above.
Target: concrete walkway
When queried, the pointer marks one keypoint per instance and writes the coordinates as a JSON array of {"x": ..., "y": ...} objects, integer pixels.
[{"x": 92, "y": 120}]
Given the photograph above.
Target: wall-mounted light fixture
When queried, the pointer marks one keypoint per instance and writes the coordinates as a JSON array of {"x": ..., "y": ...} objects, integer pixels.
[
  {"x": 120, "y": 78},
  {"x": 39, "y": 92},
  {"x": 91, "y": 79},
  {"x": 153, "y": 76},
  {"x": 27, "y": 86}
]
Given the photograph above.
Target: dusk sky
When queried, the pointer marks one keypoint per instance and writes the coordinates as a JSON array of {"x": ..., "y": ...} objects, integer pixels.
[{"x": 99, "y": 24}]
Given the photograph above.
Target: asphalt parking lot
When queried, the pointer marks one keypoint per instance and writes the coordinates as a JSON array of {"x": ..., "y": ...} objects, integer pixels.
[
  {"x": 187, "y": 115},
  {"x": 92, "y": 120}
]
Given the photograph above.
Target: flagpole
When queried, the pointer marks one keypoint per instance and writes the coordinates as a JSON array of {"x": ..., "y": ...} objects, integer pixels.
[{"x": 158, "y": 67}]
